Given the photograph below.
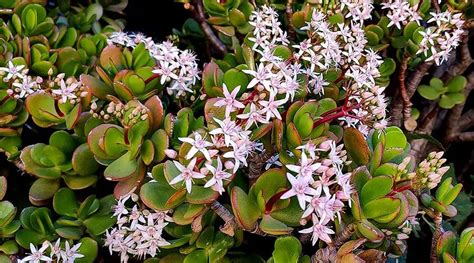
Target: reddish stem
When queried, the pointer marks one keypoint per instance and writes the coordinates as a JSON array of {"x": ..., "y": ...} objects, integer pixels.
[
  {"x": 329, "y": 118},
  {"x": 331, "y": 111},
  {"x": 126, "y": 129},
  {"x": 150, "y": 79},
  {"x": 272, "y": 201},
  {"x": 341, "y": 76}
]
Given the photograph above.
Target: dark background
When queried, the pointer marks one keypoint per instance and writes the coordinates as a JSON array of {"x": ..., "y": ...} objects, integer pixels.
[{"x": 154, "y": 18}]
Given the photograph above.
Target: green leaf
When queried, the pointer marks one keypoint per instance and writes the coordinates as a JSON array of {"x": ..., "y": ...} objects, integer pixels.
[
  {"x": 201, "y": 195},
  {"x": 3, "y": 187},
  {"x": 96, "y": 225},
  {"x": 395, "y": 138},
  {"x": 43, "y": 190},
  {"x": 356, "y": 146},
  {"x": 388, "y": 67},
  {"x": 25, "y": 237},
  {"x": 71, "y": 232},
  {"x": 428, "y": 92},
  {"x": 456, "y": 98},
  {"x": 161, "y": 196},
  {"x": 457, "y": 84},
  {"x": 7, "y": 213},
  {"x": 287, "y": 249},
  {"x": 197, "y": 256},
  {"x": 270, "y": 183},
  {"x": 375, "y": 188},
  {"x": 409, "y": 29},
  {"x": 446, "y": 102},
  {"x": 381, "y": 207},
  {"x": 205, "y": 238},
  {"x": 65, "y": 202},
  {"x": 436, "y": 83},
  {"x": 212, "y": 78},
  {"x": 63, "y": 141},
  {"x": 236, "y": 17},
  {"x": 372, "y": 38},
  {"x": 89, "y": 249},
  {"x": 233, "y": 78},
  {"x": 272, "y": 226},
  {"x": 122, "y": 168},
  {"x": 245, "y": 210},
  {"x": 83, "y": 161}
]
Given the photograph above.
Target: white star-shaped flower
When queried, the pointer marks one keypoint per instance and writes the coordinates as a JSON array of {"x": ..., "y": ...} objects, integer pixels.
[
  {"x": 198, "y": 145},
  {"x": 229, "y": 101},
  {"x": 187, "y": 174}
]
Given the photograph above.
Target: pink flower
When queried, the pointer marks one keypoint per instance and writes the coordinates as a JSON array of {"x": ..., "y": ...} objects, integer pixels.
[
  {"x": 187, "y": 174},
  {"x": 319, "y": 231},
  {"x": 270, "y": 107},
  {"x": 305, "y": 169},
  {"x": 218, "y": 176},
  {"x": 299, "y": 188},
  {"x": 229, "y": 101},
  {"x": 198, "y": 145}
]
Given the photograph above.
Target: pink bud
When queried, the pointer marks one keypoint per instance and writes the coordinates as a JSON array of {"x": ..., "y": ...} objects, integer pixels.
[
  {"x": 204, "y": 170},
  {"x": 331, "y": 171},
  {"x": 326, "y": 145},
  {"x": 326, "y": 162},
  {"x": 229, "y": 165},
  {"x": 322, "y": 169},
  {"x": 170, "y": 153}
]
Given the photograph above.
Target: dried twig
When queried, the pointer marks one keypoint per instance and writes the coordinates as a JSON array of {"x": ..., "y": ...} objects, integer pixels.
[
  {"x": 467, "y": 120},
  {"x": 436, "y": 234},
  {"x": 230, "y": 225},
  {"x": 256, "y": 162},
  {"x": 403, "y": 89},
  {"x": 198, "y": 13},
  {"x": 413, "y": 82},
  {"x": 469, "y": 24},
  {"x": 436, "y": 5},
  {"x": 6, "y": 11},
  {"x": 463, "y": 137},
  {"x": 456, "y": 122},
  {"x": 344, "y": 235}
]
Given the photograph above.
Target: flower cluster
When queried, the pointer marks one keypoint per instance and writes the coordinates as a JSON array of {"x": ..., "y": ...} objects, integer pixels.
[
  {"x": 69, "y": 90},
  {"x": 320, "y": 182},
  {"x": 342, "y": 47},
  {"x": 178, "y": 69},
  {"x": 229, "y": 143},
  {"x": 20, "y": 83},
  {"x": 358, "y": 10},
  {"x": 267, "y": 32},
  {"x": 68, "y": 254},
  {"x": 401, "y": 12},
  {"x": 441, "y": 35},
  {"x": 138, "y": 231},
  {"x": 430, "y": 171}
]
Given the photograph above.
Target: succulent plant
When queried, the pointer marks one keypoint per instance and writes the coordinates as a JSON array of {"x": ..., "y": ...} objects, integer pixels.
[
  {"x": 93, "y": 215},
  {"x": 285, "y": 135},
  {"x": 64, "y": 157},
  {"x": 449, "y": 95}
]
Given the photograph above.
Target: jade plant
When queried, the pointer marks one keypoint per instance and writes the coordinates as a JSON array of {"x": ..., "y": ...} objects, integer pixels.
[
  {"x": 449, "y": 94},
  {"x": 280, "y": 140}
]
